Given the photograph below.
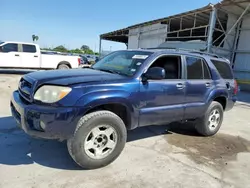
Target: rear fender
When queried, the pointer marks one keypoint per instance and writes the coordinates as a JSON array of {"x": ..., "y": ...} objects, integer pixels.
[{"x": 215, "y": 94}]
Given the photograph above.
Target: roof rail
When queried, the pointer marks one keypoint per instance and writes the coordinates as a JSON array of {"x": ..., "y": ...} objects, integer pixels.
[{"x": 189, "y": 50}]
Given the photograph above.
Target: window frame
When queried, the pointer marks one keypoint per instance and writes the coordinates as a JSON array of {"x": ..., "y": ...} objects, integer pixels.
[
  {"x": 182, "y": 72},
  {"x": 203, "y": 61},
  {"x": 209, "y": 71}
]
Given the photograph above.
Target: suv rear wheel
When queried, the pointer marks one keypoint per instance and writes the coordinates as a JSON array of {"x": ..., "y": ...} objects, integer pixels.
[
  {"x": 211, "y": 122},
  {"x": 98, "y": 140}
]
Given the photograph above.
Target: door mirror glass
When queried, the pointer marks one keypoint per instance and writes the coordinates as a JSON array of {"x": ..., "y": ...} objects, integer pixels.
[{"x": 155, "y": 73}]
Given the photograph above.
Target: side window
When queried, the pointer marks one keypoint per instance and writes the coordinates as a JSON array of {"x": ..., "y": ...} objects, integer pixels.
[
  {"x": 194, "y": 68},
  {"x": 207, "y": 74},
  {"x": 10, "y": 47},
  {"x": 223, "y": 68},
  {"x": 171, "y": 64},
  {"x": 29, "y": 48}
]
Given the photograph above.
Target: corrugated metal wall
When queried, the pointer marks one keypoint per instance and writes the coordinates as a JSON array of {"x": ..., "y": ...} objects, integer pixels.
[
  {"x": 147, "y": 36},
  {"x": 242, "y": 58}
]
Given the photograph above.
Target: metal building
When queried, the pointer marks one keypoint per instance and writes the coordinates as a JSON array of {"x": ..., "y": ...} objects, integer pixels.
[{"x": 222, "y": 28}]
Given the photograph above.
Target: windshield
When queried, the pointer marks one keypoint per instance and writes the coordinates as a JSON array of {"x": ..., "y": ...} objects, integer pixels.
[
  {"x": 1, "y": 42},
  {"x": 122, "y": 62}
]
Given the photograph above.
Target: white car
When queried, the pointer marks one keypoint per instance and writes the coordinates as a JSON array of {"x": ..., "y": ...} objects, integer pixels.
[{"x": 28, "y": 55}]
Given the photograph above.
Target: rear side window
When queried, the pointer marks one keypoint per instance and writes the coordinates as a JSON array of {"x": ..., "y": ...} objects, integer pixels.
[
  {"x": 194, "y": 68},
  {"x": 29, "y": 48},
  {"x": 223, "y": 68},
  {"x": 197, "y": 69}
]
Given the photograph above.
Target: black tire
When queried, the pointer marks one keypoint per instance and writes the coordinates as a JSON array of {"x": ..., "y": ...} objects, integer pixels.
[
  {"x": 63, "y": 66},
  {"x": 76, "y": 145},
  {"x": 202, "y": 124}
]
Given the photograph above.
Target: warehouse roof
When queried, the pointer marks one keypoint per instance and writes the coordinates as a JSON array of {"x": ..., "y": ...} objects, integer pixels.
[{"x": 121, "y": 35}]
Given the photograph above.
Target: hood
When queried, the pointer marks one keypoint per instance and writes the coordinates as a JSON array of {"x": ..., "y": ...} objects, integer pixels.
[{"x": 71, "y": 76}]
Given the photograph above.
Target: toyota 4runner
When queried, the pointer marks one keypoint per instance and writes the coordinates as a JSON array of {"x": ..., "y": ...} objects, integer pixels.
[{"x": 93, "y": 108}]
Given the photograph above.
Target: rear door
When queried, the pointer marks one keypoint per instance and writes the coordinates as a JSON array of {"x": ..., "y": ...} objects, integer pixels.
[
  {"x": 198, "y": 86},
  {"x": 30, "y": 56}
]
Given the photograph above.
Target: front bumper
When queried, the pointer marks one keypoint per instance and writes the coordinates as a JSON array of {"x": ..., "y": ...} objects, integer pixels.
[{"x": 44, "y": 121}]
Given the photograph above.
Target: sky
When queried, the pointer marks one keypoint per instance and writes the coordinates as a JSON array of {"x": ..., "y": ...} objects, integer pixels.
[{"x": 73, "y": 23}]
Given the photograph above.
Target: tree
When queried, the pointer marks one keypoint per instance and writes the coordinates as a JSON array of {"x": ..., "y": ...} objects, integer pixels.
[
  {"x": 88, "y": 51},
  {"x": 77, "y": 51},
  {"x": 60, "y": 48},
  {"x": 84, "y": 47},
  {"x": 35, "y": 38}
]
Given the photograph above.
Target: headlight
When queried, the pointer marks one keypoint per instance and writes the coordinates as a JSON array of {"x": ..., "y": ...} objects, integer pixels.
[{"x": 51, "y": 94}]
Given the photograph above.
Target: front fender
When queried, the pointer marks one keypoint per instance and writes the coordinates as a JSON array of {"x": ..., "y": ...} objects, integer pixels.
[{"x": 97, "y": 98}]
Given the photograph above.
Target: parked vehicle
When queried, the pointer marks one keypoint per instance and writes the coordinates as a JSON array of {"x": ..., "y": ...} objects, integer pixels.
[
  {"x": 85, "y": 61},
  {"x": 93, "y": 108},
  {"x": 28, "y": 55}
]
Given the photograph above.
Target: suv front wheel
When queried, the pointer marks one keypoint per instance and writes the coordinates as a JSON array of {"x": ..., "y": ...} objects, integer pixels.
[
  {"x": 211, "y": 122},
  {"x": 98, "y": 139}
]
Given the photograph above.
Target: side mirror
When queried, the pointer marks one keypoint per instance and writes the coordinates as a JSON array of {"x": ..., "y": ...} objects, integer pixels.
[{"x": 155, "y": 73}]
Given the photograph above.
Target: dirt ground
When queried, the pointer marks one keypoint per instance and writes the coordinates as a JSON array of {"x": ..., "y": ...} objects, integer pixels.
[{"x": 155, "y": 156}]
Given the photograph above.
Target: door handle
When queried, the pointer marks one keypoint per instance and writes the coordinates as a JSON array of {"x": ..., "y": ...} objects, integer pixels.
[
  {"x": 180, "y": 86},
  {"x": 228, "y": 85},
  {"x": 208, "y": 84},
  {"x": 35, "y": 56},
  {"x": 16, "y": 54}
]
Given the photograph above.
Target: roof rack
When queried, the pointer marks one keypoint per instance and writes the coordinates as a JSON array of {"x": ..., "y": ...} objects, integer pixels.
[{"x": 189, "y": 50}]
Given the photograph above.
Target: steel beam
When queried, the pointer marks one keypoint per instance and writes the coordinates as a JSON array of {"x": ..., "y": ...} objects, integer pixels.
[
  {"x": 212, "y": 23},
  {"x": 239, "y": 19},
  {"x": 100, "y": 46}
]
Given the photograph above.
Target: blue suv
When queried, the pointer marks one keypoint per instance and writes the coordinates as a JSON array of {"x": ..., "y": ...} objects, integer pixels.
[{"x": 93, "y": 108}]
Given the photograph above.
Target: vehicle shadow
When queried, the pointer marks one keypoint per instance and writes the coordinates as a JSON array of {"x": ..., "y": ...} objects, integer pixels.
[{"x": 17, "y": 148}]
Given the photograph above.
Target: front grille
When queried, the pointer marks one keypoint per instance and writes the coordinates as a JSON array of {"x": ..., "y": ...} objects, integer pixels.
[{"x": 25, "y": 89}]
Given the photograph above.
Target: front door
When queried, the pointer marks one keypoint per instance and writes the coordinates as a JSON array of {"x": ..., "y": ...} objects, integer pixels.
[
  {"x": 162, "y": 101},
  {"x": 9, "y": 55}
]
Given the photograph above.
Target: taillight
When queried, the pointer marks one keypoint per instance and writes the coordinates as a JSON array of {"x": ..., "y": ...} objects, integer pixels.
[
  {"x": 235, "y": 87},
  {"x": 79, "y": 61}
]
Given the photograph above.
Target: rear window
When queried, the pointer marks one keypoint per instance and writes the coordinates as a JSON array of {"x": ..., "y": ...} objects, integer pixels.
[{"x": 223, "y": 68}]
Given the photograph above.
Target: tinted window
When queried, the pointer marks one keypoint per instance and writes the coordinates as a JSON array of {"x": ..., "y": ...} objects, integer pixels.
[
  {"x": 194, "y": 68},
  {"x": 10, "y": 47},
  {"x": 223, "y": 68},
  {"x": 29, "y": 48},
  {"x": 206, "y": 71}
]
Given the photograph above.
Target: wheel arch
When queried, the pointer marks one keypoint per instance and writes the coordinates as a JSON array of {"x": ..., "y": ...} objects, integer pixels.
[
  {"x": 122, "y": 109},
  {"x": 64, "y": 63}
]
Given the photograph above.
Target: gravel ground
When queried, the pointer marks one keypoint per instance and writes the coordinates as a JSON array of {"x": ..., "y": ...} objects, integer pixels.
[{"x": 155, "y": 156}]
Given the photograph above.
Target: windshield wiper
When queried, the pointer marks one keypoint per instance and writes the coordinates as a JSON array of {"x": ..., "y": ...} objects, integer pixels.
[{"x": 112, "y": 71}]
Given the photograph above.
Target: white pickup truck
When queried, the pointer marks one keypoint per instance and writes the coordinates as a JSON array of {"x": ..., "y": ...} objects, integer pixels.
[{"x": 28, "y": 55}]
